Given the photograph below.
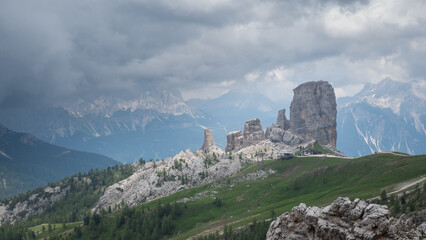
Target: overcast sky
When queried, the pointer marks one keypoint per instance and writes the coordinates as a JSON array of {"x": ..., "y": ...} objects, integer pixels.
[{"x": 53, "y": 49}]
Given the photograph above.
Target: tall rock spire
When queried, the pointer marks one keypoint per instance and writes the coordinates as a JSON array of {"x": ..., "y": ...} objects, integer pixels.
[
  {"x": 208, "y": 141},
  {"x": 313, "y": 112}
]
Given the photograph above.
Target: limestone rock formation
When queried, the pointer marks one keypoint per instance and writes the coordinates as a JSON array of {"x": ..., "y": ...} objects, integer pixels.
[
  {"x": 209, "y": 145},
  {"x": 181, "y": 172},
  {"x": 282, "y": 121},
  {"x": 291, "y": 139},
  {"x": 313, "y": 112},
  {"x": 253, "y": 132},
  {"x": 234, "y": 141},
  {"x": 342, "y": 219},
  {"x": 274, "y": 134},
  {"x": 36, "y": 204}
]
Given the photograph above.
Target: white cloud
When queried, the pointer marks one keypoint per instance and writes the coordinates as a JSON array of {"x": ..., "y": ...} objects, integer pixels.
[
  {"x": 343, "y": 21},
  {"x": 348, "y": 90}
]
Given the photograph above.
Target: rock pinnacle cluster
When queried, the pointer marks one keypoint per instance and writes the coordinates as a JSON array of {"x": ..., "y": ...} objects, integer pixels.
[{"x": 313, "y": 114}]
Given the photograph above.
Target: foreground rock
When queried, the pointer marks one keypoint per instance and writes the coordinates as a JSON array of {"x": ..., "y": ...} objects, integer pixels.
[
  {"x": 342, "y": 219},
  {"x": 313, "y": 112}
]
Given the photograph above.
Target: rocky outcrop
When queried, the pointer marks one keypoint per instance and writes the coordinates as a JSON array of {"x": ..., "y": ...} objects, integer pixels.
[
  {"x": 162, "y": 178},
  {"x": 290, "y": 139},
  {"x": 209, "y": 145},
  {"x": 342, "y": 219},
  {"x": 234, "y": 141},
  {"x": 276, "y": 132},
  {"x": 17, "y": 211},
  {"x": 253, "y": 133},
  {"x": 282, "y": 121},
  {"x": 313, "y": 112}
]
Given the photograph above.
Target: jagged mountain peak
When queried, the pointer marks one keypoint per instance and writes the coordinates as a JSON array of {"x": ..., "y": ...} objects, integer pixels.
[
  {"x": 387, "y": 116},
  {"x": 390, "y": 94},
  {"x": 162, "y": 101}
]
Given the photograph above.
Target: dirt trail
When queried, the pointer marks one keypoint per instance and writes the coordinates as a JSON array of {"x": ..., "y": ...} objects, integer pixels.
[
  {"x": 218, "y": 226},
  {"x": 394, "y": 153},
  {"x": 409, "y": 184},
  {"x": 403, "y": 186},
  {"x": 335, "y": 156}
]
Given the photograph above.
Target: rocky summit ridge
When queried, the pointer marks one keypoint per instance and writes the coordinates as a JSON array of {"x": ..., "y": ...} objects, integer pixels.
[
  {"x": 162, "y": 178},
  {"x": 343, "y": 219}
]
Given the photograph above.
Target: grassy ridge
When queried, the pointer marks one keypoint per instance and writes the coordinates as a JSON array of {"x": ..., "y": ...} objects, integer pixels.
[
  {"x": 296, "y": 180},
  {"x": 312, "y": 180}
]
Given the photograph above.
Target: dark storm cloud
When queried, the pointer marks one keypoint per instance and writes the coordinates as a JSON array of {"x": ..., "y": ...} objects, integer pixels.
[{"x": 52, "y": 51}]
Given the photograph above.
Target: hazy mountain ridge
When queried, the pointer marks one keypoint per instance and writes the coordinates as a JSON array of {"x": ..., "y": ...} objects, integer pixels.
[
  {"x": 27, "y": 162},
  {"x": 124, "y": 128},
  {"x": 168, "y": 102},
  {"x": 156, "y": 124},
  {"x": 388, "y": 116}
]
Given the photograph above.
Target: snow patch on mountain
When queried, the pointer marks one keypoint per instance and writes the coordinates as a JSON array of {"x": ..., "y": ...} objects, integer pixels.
[
  {"x": 420, "y": 127},
  {"x": 385, "y": 102},
  {"x": 388, "y": 116},
  {"x": 160, "y": 101},
  {"x": 5, "y": 155}
]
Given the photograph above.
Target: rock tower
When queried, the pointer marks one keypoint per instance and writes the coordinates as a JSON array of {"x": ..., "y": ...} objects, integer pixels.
[{"x": 313, "y": 112}]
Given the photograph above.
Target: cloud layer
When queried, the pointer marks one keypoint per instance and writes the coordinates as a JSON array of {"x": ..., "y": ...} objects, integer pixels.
[{"x": 54, "y": 51}]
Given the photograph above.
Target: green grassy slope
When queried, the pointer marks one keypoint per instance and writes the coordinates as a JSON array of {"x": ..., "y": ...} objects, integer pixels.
[{"x": 312, "y": 180}]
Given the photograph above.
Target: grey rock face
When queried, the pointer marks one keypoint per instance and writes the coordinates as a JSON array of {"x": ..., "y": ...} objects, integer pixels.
[
  {"x": 253, "y": 132},
  {"x": 147, "y": 184},
  {"x": 208, "y": 141},
  {"x": 234, "y": 141},
  {"x": 282, "y": 121},
  {"x": 342, "y": 219},
  {"x": 291, "y": 139},
  {"x": 313, "y": 112},
  {"x": 274, "y": 133},
  {"x": 37, "y": 204}
]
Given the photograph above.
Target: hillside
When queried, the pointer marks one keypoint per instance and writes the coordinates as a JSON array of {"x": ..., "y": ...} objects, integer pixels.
[
  {"x": 27, "y": 162},
  {"x": 261, "y": 194}
]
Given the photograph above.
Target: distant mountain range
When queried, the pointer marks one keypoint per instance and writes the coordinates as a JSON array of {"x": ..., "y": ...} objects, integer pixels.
[
  {"x": 154, "y": 125},
  {"x": 27, "y": 162},
  {"x": 157, "y": 124},
  {"x": 388, "y": 116}
]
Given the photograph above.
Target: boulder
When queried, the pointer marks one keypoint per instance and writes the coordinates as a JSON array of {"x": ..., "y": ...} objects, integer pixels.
[
  {"x": 274, "y": 133},
  {"x": 313, "y": 112},
  {"x": 234, "y": 141},
  {"x": 342, "y": 219},
  {"x": 291, "y": 139},
  {"x": 253, "y": 133}
]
